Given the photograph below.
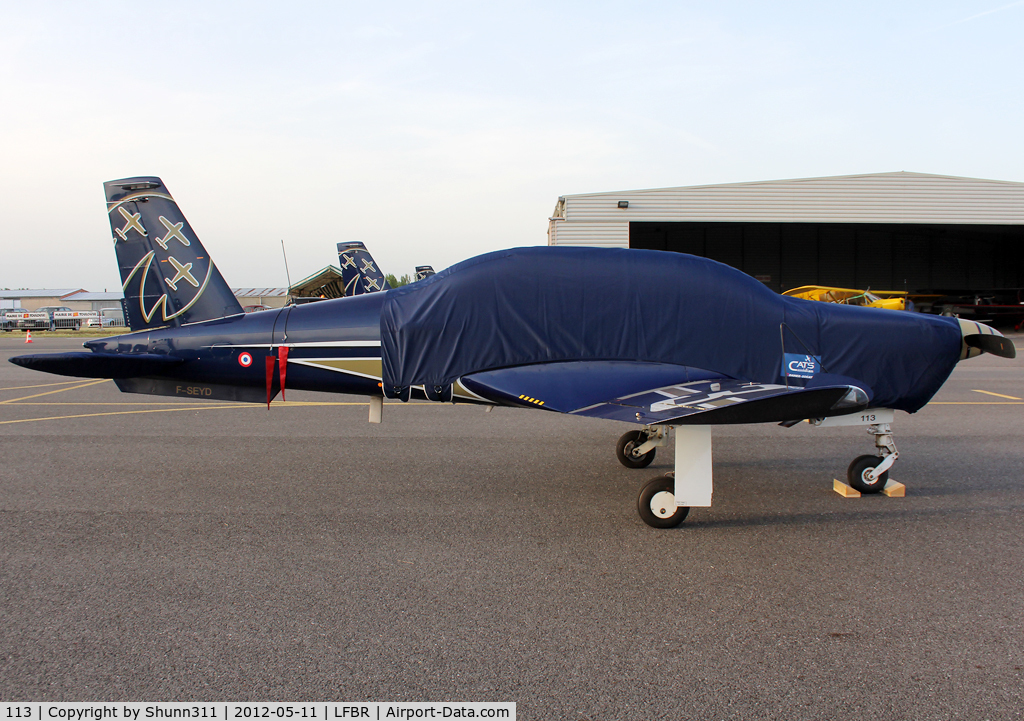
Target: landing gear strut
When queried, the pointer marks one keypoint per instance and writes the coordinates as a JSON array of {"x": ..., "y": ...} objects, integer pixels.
[
  {"x": 869, "y": 474},
  {"x": 666, "y": 501}
]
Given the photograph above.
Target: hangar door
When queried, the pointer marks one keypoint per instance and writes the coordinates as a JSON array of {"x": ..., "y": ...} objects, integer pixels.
[{"x": 883, "y": 256}]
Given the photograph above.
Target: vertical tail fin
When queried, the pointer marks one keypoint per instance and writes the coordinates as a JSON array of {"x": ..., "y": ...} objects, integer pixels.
[
  {"x": 359, "y": 273},
  {"x": 168, "y": 277},
  {"x": 423, "y": 271}
]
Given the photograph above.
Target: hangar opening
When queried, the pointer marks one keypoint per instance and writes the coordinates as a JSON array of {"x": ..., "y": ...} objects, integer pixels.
[
  {"x": 887, "y": 256},
  {"x": 884, "y": 231}
]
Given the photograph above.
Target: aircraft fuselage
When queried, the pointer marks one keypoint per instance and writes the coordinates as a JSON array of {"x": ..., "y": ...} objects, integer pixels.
[{"x": 333, "y": 346}]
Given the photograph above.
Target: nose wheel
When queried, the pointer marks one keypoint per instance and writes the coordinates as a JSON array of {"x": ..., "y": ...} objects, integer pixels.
[
  {"x": 657, "y": 503},
  {"x": 860, "y": 471},
  {"x": 869, "y": 474}
]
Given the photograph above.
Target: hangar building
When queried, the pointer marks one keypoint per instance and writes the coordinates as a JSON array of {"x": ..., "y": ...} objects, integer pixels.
[{"x": 886, "y": 231}]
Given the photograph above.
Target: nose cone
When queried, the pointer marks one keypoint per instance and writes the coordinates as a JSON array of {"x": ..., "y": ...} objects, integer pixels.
[{"x": 979, "y": 338}]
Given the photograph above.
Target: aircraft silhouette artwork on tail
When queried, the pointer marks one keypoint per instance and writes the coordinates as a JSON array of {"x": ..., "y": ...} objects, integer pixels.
[
  {"x": 359, "y": 274},
  {"x": 168, "y": 278},
  {"x": 422, "y": 272},
  {"x": 668, "y": 342}
]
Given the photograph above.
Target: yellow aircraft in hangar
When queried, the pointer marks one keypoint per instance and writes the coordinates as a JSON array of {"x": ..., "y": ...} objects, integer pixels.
[{"x": 891, "y": 299}]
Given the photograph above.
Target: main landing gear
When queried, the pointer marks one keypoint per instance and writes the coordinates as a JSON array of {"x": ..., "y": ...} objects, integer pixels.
[
  {"x": 657, "y": 503},
  {"x": 869, "y": 474},
  {"x": 666, "y": 501},
  {"x": 657, "y": 500}
]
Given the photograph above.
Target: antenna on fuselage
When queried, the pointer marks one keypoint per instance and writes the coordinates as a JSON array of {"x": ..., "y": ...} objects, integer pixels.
[{"x": 286, "y": 273}]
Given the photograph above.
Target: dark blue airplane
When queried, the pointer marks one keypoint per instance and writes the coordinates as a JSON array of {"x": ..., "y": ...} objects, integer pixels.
[{"x": 668, "y": 342}]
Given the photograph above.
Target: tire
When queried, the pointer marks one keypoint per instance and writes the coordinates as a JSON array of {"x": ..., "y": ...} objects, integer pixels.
[
  {"x": 656, "y": 509},
  {"x": 860, "y": 466},
  {"x": 626, "y": 444}
]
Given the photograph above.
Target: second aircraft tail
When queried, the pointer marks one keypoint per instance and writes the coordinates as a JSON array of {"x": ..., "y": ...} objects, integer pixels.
[{"x": 359, "y": 274}]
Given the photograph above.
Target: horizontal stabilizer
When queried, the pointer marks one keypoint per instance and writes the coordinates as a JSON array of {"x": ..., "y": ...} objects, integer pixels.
[{"x": 98, "y": 365}]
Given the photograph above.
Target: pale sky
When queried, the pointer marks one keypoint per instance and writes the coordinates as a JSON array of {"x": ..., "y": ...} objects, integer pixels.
[{"x": 435, "y": 132}]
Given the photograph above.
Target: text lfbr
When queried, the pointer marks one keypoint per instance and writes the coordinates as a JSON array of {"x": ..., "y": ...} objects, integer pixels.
[{"x": 272, "y": 711}]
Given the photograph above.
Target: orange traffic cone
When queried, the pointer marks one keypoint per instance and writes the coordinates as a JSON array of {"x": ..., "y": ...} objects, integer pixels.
[{"x": 28, "y": 336}]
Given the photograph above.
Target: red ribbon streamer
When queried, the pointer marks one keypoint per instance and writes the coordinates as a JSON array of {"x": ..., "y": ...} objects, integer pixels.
[
  {"x": 270, "y": 379},
  {"x": 282, "y": 355}
]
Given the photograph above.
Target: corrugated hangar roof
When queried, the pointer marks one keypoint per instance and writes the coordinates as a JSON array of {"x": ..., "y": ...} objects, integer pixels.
[
  {"x": 88, "y": 295},
  {"x": 41, "y": 293},
  {"x": 875, "y": 198}
]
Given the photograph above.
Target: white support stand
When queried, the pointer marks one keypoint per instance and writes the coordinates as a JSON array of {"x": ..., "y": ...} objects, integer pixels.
[
  {"x": 693, "y": 466},
  {"x": 376, "y": 409}
]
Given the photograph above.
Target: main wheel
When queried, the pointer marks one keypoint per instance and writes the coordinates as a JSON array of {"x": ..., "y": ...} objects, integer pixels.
[
  {"x": 625, "y": 446},
  {"x": 657, "y": 504},
  {"x": 857, "y": 474}
]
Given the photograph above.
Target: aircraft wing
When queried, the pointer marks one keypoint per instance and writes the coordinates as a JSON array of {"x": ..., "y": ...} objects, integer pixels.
[{"x": 639, "y": 393}]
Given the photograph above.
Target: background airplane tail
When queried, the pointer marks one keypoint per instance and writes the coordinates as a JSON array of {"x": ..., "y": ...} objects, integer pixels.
[
  {"x": 423, "y": 271},
  {"x": 359, "y": 274},
  {"x": 168, "y": 278}
]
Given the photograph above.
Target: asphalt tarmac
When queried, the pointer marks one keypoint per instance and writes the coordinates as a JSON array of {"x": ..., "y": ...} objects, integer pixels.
[{"x": 160, "y": 549}]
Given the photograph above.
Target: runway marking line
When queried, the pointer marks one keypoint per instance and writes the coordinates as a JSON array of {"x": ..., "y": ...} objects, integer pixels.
[
  {"x": 187, "y": 404},
  {"x": 43, "y": 385},
  {"x": 59, "y": 390},
  {"x": 180, "y": 407},
  {"x": 998, "y": 395},
  {"x": 121, "y": 413},
  {"x": 975, "y": 403}
]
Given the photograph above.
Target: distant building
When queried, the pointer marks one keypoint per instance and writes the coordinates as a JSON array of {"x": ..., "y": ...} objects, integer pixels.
[
  {"x": 887, "y": 231},
  {"x": 32, "y": 299},
  {"x": 84, "y": 300},
  {"x": 322, "y": 283}
]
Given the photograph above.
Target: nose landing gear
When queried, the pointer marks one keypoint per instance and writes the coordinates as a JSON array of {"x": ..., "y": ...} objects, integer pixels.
[{"x": 869, "y": 474}]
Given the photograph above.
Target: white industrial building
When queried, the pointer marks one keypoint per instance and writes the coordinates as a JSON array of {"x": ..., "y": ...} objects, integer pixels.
[
  {"x": 30, "y": 299},
  {"x": 884, "y": 230}
]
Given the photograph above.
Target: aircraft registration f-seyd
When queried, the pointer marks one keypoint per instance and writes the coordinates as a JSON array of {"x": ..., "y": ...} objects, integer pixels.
[{"x": 665, "y": 341}]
